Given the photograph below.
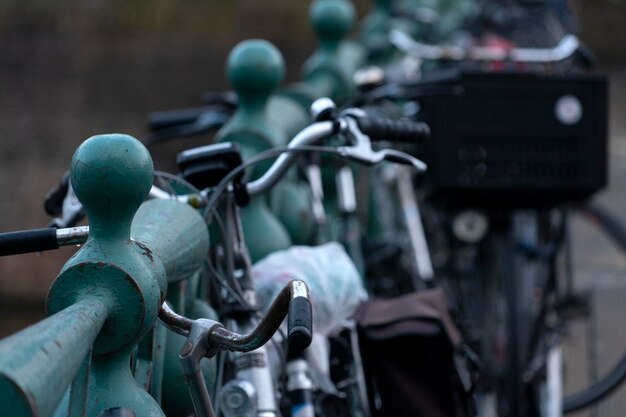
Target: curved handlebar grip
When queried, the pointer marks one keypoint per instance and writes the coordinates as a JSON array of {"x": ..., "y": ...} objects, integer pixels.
[
  {"x": 299, "y": 323},
  {"x": 53, "y": 204},
  {"x": 168, "y": 118},
  {"x": 394, "y": 130},
  {"x": 27, "y": 241}
]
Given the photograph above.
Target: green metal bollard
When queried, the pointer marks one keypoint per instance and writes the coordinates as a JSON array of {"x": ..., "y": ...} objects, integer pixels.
[
  {"x": 287, "y": 114},
  {"x": 375, "y": 28},
  {"x": 175, "y": 233},
  {"x": 107, "y": 296},
  {"x": 255, "y": 68},
  {"x": 111, "y": 175},
  {"x": 38, "y": 364},
  {"x": 452, "y": 15},
  {"x": 329, "y": 71},
  {"x": 178, "y": 236}
]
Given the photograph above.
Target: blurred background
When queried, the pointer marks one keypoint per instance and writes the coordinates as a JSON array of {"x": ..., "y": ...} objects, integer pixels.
[{"x": 70, "y": 70}]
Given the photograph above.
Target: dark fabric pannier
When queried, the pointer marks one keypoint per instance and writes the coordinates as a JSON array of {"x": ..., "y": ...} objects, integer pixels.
[{"x": 408, "y": 345}]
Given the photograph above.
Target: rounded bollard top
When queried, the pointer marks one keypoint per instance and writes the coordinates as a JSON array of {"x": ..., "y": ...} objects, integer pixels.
[
  {"x": 111, "y": 175},
  {"x": 255, "y": 68},
  {"x": 331, "y": 20}
]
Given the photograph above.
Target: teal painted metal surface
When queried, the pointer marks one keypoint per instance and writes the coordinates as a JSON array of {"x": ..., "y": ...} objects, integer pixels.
[
  {"x": 288, "y": 115},
  {"x": 111, "y": 176},
  {"x": 63, "y": 408},
  {"x": 112, "y": 385},
  {"x": 378, "y": 21},
  {"x": 176, "y": 233},
  {"x": 291, "y": 202},
  {"x": 149, "y": 357},
  {"x": 375, "y": 29},
  {"x": 452, "y": 14},
  {"x": 264, "y": 233},
  {"x": 255, "y": 68},
  {"x": 107, "y": 295},
  {"x": 330, "y": 69},
  {"x": 38, "y": 364},
  {"x": 158, "y": 357},
  {"x": 77, "y": 401}
]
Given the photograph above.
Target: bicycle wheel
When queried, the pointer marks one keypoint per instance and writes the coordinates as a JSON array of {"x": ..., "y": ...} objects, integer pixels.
[{"x": 595, "y": 358}]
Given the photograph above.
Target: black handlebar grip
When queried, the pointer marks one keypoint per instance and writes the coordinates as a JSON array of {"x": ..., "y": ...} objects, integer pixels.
[
  {"x": 300, "y": 323},
  {"x": 168, "y": 118},
  {"x": 27, "y": 241},
  {"x": 394, "y": 130},
  {"x": 53, "y": 204}
]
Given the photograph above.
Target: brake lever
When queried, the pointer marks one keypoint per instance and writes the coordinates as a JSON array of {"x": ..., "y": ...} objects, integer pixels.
[
  {"x": 362, "y": 150},
  {"x": 399, "y": 157}
]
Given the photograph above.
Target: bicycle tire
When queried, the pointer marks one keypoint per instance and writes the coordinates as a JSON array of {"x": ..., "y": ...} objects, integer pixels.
[{"x": 616, "y": 230}]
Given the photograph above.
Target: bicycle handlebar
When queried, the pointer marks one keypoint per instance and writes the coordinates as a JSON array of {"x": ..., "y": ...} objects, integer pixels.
[
  {"x": 378, "y": 128},
  {"x": 167, "y": 118},
  {"x": 361, "y": 127},
  {"x": 567, "y": 46},
  {"x": 26, "y": 241},
  {"x": 39, "y": 240},
  {"x": 308, "y": 136},
  {"x": 170, "y": 124},
  {"x": 187, "y": 122},
  {"x": 206, "y": 337},
  {"x": 354, "y": 122},
  {"x": 213, "y": 101},
  {"x": 293, "y": 300}
]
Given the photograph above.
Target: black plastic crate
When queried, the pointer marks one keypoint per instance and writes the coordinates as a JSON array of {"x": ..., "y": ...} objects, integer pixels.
[{"x": 514, "y": 140}]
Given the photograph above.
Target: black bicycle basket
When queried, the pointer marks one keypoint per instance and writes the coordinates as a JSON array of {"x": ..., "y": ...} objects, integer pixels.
[{"x": 514, "y": 139}]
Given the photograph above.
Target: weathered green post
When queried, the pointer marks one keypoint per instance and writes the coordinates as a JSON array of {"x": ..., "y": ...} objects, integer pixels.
[
  {"x": 329, "y": 71},
  {"x": 178, "y": 235},
  {"x": 255, "y": 68},
  {"x": 112, "y": 175},
  {"x": 452, "y": 15},
  {"x": 38, "y": 365},
  {"x": 107, "y": 296},
  {"x": 375, "y": 28}
]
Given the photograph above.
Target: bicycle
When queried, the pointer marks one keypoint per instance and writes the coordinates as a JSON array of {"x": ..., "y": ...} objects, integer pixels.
[
  {"x": 480, "y": 241},
  {"x": 361, "y": 151}
]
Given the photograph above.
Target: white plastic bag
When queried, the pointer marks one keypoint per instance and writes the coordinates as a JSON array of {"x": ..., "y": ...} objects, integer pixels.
[{"x": 335, "y": 286}]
